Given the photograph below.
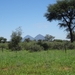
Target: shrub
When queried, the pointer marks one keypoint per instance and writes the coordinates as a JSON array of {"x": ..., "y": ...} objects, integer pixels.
[
  {"x": 14, "y": 47},
  {"x": 25, "y": 46},
  {"x": 45, "y": 46},
  {"x": 3, "y": 46},
  {"x": 31, "y": 46},
  {"x": 35, "y": 48},
  {"x": 71, "y": 46},
  {"x": 57, "y": 45}
]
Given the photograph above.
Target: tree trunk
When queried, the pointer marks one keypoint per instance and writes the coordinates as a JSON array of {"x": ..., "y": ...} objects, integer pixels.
[{"x": 71, "y": 36}]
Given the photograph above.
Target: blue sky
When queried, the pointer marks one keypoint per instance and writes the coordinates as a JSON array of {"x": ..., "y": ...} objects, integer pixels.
[{"x": 29, "y": 15}]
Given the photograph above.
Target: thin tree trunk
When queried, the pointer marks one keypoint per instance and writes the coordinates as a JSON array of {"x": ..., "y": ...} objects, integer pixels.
[{"x": 71, "y": 34}]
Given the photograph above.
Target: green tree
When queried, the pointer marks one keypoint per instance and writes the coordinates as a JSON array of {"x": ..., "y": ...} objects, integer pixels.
[
  {"x": 15, "y": 39},
  {"x": 64, "y": 11},
  {"x": 27, "y": 40},
  {"x": 49, "y": 37},
  {"x": 68, "y": 36},
  {"x": 3, "y": 40},
  {"x": 2, "y": 43}
]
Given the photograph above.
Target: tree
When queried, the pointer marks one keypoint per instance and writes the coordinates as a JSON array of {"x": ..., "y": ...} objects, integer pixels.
[
  {"x": 27, "y": 40},
  {"x": 49, "y": 37},
  {"x": 3, "y": 40},
  {"x": 15, "y": 39},
  {"x": 68, "y": 36},
  {"x": 64, "y": 11}
]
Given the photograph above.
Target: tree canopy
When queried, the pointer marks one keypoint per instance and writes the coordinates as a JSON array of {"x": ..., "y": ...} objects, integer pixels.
[
  {"x": 3, "y": 40},
  {"x": 15, "y": 39},
  {"x": 64, "y": 11},
  {"x": 49, "y": 37}
]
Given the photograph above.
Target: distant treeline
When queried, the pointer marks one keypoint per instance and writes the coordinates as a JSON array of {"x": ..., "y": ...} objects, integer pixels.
[{"x": 34, "y": 46}]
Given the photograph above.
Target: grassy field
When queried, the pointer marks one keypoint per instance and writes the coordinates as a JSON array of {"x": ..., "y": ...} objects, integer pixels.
[{"x": 37, "y": 63}]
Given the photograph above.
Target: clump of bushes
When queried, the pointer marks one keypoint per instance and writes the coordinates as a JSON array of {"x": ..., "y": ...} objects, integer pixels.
[
  {"x": 14, "y": 47},
  {"x": 3, "y": 46},
  {"x": 32, "y": 46},
  {"x": 57, "y": 45},
  {"x": 71, "y": 46},
  {"x": 35, "y": 48},
  {"x": 44, "y": 44}
]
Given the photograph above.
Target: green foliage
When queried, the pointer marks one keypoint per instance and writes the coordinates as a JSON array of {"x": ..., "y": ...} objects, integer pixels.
[
  {"x": 31, "y": 46},
  {"x": 45, "y": 45},
  {"x": 3, "y": 46},
  {"x": 15, "y": 40},
  {"x": 49, "y": 37},
  {"x": 58, "y": 40},
  {"x": 3, "y": 43},
  {"x": 57, "y": 45},
  {"x": 71, "y": 46},
  {"x": 3, "y": 40},
  {"x": 64, "y": 11},
  {"x": 35, "y": 48},
  {"x": 14, "y": 47},
  {"x": 40, "y": 42},
  {"x": 27, "y": 40},
  {"x": 37, "y": 63},
  {"x": 68, "y": 36}
]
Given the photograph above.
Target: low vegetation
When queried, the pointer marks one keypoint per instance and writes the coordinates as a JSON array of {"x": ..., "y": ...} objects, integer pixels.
[
  {"x": 51, "y": 62},
  {"x": 34, "y": 46}
]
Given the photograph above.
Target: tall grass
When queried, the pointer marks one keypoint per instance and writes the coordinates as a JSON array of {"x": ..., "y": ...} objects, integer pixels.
[{"x": 53, "y": 62}]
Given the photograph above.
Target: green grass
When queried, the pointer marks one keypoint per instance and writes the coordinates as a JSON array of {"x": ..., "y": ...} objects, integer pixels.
[{"x": 54, "y": 62}]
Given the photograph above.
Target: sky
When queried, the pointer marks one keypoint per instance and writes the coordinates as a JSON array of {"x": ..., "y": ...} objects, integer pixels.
[{"x": 29, "y": 15}]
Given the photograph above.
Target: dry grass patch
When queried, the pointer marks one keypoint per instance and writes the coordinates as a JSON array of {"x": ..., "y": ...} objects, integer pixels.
[{"x": 65, "y": 68}]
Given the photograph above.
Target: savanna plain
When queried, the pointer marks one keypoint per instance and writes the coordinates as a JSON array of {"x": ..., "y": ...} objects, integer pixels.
[{"x": 50, "y": 62}]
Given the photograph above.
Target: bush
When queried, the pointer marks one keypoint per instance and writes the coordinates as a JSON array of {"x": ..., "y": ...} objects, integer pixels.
[
  {"x": 45, "y": 46},
  {"x": 3, "y": 46},
  {"x": 57, "y": 45},
  {"x": 35, "y": 48},
  {"x": 14, "y": 47},
  {"x": 25, "y": 46},
  {"x": 71, "y": 46},
  {"x": 31, "y": 46}
]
